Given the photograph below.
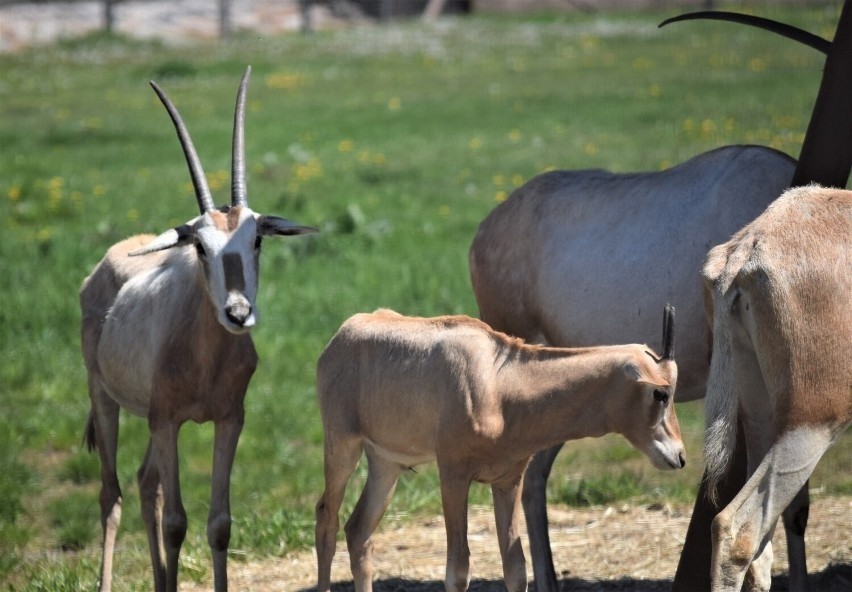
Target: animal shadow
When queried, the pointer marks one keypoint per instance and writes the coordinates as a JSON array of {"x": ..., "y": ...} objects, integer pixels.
[
  {"x": 837, "y": 577},
  {"x": 574, "y": 585}
]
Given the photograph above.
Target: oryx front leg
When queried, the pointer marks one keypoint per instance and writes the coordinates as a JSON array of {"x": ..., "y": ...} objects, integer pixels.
[
  {"x": 164, "y": 436},
  {"x": 742, "y": 531},
  {"x": 226, "y": 436},
  {"x": 507, "y": 514},
  {"x": 454, "y": 490},
  {"x": 381, "y": 480}
]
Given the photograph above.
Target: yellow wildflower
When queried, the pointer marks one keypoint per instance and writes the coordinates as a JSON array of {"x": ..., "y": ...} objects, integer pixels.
[
  {"x": 757, "y": 64},
  {"x": 285, "y": 81}
]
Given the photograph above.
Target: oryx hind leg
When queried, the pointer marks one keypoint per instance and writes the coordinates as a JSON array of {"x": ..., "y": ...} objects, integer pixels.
[
  {"x": 795, "y": 524},
  {"x": 151, "y": 502},
  {"x": 742, "y": 532}
]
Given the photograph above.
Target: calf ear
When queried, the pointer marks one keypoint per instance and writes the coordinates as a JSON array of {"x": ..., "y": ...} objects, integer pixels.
[
  {"x": 268, "y": 225},
  {"x": 640, "y": 373},
  {"x": 173, "y": 237}
]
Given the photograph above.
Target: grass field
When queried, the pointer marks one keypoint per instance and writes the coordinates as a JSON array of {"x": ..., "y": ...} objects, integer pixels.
[{"x": 396, "y": 142}]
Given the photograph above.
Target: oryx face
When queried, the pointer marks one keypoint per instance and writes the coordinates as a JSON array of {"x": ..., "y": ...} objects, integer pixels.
[
  {"x": 227, "y": 239},
  {"x": 228, "y": 245}
]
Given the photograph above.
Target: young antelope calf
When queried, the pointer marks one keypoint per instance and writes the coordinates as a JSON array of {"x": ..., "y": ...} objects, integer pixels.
[{"x": 411, "y": 390}]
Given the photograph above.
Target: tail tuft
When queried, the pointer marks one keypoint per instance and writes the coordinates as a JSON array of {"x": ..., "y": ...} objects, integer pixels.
[
  {"x": 89, "y": 438},
  {"x": 722, "y": 411}
]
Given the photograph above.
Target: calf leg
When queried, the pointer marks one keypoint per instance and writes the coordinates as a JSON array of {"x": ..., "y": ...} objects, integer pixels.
[
  {"x": 454, "y": 490},
  {"x": 507, "y": 514},
  {"x": 226, "y": 435},
  {"x": 740, "y": 532},
  {"x": 341, "y": 458},
  {"x": 151, "y": 502},
  {"x": 381, "y": 481},
  {"x": 535, "y": 509}
]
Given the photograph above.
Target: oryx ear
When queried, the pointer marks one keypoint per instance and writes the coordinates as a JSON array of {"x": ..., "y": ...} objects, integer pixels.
[
  {"x": 640, "y": 373},
  {"x": 173, "y": 237},
  {"x": 267, "y": 225}
]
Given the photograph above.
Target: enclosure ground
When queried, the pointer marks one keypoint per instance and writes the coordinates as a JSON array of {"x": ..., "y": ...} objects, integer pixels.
[{"x": 625, "y": 547}]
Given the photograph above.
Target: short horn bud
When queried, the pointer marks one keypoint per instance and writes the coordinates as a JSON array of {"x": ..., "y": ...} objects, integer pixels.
[{"x": 668, "y": 332}]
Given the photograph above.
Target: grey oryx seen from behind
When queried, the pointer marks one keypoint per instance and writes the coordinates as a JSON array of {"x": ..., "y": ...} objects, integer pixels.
[{"x": 165, "y": 335}]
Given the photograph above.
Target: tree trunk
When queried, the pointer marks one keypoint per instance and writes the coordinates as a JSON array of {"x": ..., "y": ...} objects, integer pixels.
[
  {"x": 305, "y": 10},
  {"x": 433, "y": 9},
  {"x": 225, "y": 28},
  {"x": 109, "y": 15},
  {"x": 385, "y": 10}
]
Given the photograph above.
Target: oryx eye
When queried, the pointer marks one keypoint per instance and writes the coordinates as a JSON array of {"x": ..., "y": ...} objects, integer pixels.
[
  {"x": 661, "y": 396},
  {"x": 257, "y": 242},
  {"x": 199, "y": 248}
]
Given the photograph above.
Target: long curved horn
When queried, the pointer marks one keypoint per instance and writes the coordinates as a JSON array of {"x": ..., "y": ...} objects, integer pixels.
[
  {"x": 789, "y": 31},
  {"x": 668, "y": 332},
  {"x": 239, "y": 194},
  {"x": 826, "y": 156},
  {"x": 199, "y": 181}
]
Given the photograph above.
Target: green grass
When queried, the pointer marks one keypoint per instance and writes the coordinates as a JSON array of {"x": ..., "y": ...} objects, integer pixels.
[{"x": 396, "y": 142}]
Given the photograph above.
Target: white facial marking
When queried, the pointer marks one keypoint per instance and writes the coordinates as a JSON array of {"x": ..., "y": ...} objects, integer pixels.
[{"x": 231, "y": 266}]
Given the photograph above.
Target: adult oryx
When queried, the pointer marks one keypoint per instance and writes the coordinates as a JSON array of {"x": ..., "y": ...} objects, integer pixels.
[{"x": 165, "y": 335}]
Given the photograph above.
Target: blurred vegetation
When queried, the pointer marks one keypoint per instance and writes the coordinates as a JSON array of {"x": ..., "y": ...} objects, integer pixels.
[{"x": 395, "y": 141}]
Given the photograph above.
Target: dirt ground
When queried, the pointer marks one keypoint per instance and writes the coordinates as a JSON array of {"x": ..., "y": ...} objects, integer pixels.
[{"x": 622, "y": 548}]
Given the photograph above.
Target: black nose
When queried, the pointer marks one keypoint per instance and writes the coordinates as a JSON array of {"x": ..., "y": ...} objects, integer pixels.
[
  {"x": 238, "y": 312},
  {"x": 682, "y": 460}
]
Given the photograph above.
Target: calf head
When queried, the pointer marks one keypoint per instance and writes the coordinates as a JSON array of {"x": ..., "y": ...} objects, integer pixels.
[
  {"x": 648, "y": 420},
  {"x": 227, "y": 239}
]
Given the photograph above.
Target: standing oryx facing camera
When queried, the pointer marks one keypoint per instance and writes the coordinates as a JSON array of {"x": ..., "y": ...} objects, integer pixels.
[{"x": 165, "y": 335}]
